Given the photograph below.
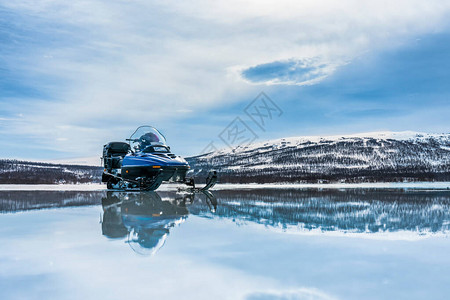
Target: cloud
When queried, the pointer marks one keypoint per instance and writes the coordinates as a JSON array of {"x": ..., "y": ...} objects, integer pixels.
[
  {"x": 298, "y": 72},
  {"x": 102, "y": 68}
]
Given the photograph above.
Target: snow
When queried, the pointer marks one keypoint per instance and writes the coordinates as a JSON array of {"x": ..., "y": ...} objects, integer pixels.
[
  {"x": 336, "y": 156},
  {"x": 249, "y": 186},
  {"x": 94, "y": 161},
  {"x": 52, "y": 187},
  {"x": 303, "y": 141}
]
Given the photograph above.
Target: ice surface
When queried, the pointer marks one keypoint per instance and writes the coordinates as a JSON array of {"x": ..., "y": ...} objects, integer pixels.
[{"x": 229, "y": 186}]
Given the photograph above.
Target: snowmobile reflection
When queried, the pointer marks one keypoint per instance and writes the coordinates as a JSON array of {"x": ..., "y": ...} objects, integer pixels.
[{"x": 145, "y": 219}]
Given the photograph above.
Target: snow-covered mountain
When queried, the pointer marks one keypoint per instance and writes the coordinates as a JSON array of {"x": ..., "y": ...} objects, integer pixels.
[{"x": 375, "y": 156}]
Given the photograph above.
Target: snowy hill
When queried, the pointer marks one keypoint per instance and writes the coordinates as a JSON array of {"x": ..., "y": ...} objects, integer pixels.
[
  {"x": 375, "y": 156},
  {"x": 14, "y": 171}
]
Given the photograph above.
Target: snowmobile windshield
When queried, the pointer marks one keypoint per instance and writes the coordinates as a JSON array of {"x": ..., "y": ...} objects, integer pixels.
[{"x": 146, "y": 136}]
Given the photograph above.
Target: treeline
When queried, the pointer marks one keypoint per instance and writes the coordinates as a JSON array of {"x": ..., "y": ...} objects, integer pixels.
[
  {"x": 351, "y": 160},
  {"x": 23, "y": 172},
  {"x": 293, "y": 175}
]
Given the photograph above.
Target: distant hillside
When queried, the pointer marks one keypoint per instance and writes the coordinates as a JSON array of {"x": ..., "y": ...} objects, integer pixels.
[
  {"x": 22, "y": 172},
  {"x": 368, "y": 157}
]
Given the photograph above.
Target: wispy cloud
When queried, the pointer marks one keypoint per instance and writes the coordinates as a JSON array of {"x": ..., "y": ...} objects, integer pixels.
[{"x": 87, "y": 71}]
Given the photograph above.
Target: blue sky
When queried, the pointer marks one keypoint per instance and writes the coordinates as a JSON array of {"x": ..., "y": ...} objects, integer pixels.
[{"x": 74, "y": 76}]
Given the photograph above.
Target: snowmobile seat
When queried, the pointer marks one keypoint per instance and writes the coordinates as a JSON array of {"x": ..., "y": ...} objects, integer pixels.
[
  {"x": 113, "y": 153},
  {"x": 116, "y": 149}
]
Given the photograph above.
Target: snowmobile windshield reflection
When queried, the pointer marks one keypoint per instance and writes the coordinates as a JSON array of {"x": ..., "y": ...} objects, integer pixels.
[
  {"x": 143, "y": 219},
  {"x": 146, "y": 136}
]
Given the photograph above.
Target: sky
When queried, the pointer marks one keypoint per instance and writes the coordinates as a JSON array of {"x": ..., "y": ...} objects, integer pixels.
[{"x": 75, "y": 75}]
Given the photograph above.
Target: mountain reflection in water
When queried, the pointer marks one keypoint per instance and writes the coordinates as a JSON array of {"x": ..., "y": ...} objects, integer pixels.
[
  {"x": 356, "y": 211},
  {"x": 349, "y": 211},
  {"x": 145, "y": 219}
]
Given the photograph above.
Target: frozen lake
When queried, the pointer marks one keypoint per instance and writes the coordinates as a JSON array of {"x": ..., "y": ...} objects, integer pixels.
[{"x": 249, "y": 244}]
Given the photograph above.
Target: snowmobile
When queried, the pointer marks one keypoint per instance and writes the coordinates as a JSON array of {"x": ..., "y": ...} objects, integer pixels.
[{"x": 144, "y": 162}]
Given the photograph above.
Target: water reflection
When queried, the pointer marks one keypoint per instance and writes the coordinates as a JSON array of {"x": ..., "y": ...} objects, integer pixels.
[
  {"x": 225, "y": 248},
  {"x": 15, "y": 201},
  {"x": 346, "y": 211},
  {"x": 144, "y": 219}
]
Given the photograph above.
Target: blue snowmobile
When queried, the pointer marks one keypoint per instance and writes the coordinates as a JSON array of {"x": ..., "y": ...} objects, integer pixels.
[{"x": 145, "y": 162}]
